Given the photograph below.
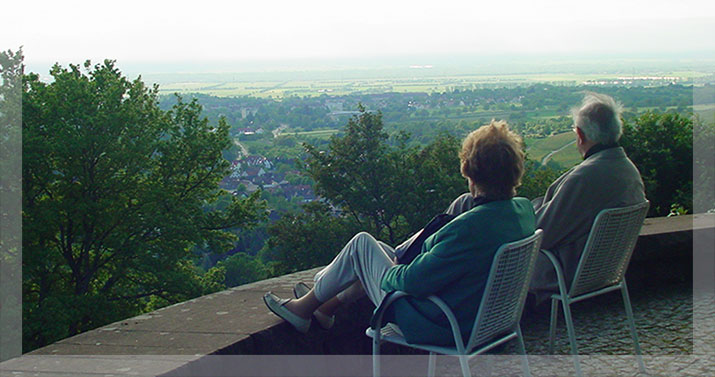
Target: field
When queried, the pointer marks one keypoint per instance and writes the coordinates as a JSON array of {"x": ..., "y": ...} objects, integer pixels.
[
  {"x": 320, "y": 134},
  {"x": 298, "y": 84},
  {"x": 567, "y": 157},
  {"x": 556, "y": 149},
  {"x": 565, "y": 152},
  {"x": 706, "y": 112},
  {"x": 537, "y": 149}
]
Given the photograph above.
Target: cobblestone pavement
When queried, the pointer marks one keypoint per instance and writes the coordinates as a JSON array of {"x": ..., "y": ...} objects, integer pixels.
[{"x": 663, "y": 311}]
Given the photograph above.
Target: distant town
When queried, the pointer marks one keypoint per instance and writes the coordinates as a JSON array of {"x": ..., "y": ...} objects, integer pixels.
[{"x": 251, "y": 173}]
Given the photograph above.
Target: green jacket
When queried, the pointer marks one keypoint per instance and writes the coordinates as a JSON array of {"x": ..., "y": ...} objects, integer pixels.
[{"x": 454, "y": 265}]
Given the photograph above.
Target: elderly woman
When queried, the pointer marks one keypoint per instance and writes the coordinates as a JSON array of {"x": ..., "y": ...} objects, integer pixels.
[{"x": 454, "y": 262}]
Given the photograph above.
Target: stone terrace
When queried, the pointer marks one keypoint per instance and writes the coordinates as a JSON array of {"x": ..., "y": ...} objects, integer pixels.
[{"x": 203, "y": 336}]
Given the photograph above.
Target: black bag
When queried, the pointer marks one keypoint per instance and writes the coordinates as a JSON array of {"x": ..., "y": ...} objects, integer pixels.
[{"x": 409, "y": 249}]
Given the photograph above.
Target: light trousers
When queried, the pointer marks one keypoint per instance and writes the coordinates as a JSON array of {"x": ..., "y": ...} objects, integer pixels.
[{"x": 362, "y": 259}]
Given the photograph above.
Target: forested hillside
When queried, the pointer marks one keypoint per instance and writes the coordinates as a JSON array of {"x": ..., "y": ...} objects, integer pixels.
[
  {"x": 415, "y": 153},
  {"x": 537, "y": 110}
]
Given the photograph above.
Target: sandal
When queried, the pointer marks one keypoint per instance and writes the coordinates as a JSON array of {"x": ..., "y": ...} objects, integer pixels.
[
  {"x": 277, "y": 306},
  {"x": 326, "y": 322}
]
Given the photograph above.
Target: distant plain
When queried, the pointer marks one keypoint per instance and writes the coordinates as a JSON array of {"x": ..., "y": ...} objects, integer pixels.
[
  {"x": 368, "y": 78},
  {"x": 236, "y": 85}
]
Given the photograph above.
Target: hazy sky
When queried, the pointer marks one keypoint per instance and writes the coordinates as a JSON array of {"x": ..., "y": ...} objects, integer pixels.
[{"x": 208, "y": 30}]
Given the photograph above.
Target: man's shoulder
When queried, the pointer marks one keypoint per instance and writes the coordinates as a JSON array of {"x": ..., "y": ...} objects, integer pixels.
[
  {"x": 610, "y": 155},
  {"x": 603, "y": 175},
  {"x": 610, "y": 162},
  {"x": 466, "y": 197},
  {"x": 462, "y": 204},
  {"x": 603, "y": 160}
]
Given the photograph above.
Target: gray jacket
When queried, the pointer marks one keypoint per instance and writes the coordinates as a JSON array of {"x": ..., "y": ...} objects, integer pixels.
[{"x": 605, "y": 179}]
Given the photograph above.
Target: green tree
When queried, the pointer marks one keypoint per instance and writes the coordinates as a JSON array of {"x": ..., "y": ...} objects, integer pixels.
[
  {"x": 704, "y": 169},
  {"x": 242, "y": 268},
  {"x": 430, "y": 180},
  {"x": 116, "y": 194},
  {"x": 536, "y": 179},
  {"x": 372, "y": 182},
  {"x": 302, "y": 240},
  {"x": 11, "y": 69},
  {"x": 661, "y": 146},
  {"x": 361, "y": 175}
]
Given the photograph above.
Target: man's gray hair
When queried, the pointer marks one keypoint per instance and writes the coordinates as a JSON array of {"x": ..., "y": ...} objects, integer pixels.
[{"x": 599, "y": 117}]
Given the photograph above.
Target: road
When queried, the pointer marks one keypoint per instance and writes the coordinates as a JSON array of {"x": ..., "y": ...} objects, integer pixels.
[
  {"x": 244, "y": 151},
  {"x": 280, "y": 129}
]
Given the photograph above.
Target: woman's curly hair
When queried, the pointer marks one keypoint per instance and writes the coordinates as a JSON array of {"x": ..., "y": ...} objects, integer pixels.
[{"x": 493, "y": 158}]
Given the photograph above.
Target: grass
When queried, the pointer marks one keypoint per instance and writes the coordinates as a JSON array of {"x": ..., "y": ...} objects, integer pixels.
[
  {"x": 556, "y": 141},
  {"x": 704, "y": 107},
  {"x": 322, "y": 134},
  {"x": 252, "y": 144},
  {"x": 537, "y": 149},
  {"x": 568, "y": 157},
  {"x": 706, "y": 112}
]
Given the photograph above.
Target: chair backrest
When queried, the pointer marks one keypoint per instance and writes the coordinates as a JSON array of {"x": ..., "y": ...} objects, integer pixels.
[
  {"x": 505, "y": 292},
  {"x": 608, "y": 248}
]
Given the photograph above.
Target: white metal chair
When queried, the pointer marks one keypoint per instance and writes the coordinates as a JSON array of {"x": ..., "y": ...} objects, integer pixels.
[
  {"x": 601, "y": 269},
  {"x": 497, "y": 318}
]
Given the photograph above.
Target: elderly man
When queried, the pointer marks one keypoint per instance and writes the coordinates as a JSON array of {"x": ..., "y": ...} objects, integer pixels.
[{"x": 605, "y": 179}]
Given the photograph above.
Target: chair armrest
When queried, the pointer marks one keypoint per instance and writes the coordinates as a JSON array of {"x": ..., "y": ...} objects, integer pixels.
[
  {"x": 557, "y": 267},
  {"x": 376, "y": 320},
  {"x": 452, "y": 322},
  {"x": 552, "y": 258}
]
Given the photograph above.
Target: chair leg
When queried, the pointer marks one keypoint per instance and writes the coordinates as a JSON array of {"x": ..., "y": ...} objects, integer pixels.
[
  {"x": 522, "y": 349},
  {"x": 431, "y": 364},
  {"x": 552, "y": 326},
  {"x": 463, "y": 362},
  {"x": 376, "y": 355},
  {"x": 632, "y": 325},
  {"x": 572, "y": 336}
]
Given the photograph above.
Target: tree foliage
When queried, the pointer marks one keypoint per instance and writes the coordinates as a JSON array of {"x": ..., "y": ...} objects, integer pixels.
[
  {"x": 536, "y": 179},
  {"x": 704, "y": 165},
  {"x": 115, "y": 197},
  {"x": 11, "y": 69},
  {"x": 661, "y": 146},
  {"x": 241, "y": 268},
  {"x": 370, "y": 182},
  {"x": 384, "y": 186},
  {"x": 302, "y": 240},
  {"x": 359, "y": 175},
  {"x": 431, "y": 179}
]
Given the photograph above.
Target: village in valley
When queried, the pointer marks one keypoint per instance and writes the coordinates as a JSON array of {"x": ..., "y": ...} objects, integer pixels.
[{"x": 251, "y": 173}]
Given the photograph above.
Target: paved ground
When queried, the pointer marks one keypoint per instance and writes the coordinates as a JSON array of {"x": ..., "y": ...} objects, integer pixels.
[{"x": 662, "y": 297}]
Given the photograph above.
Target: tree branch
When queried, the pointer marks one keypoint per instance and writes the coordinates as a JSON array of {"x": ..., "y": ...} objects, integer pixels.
[{"x": 141, "y": 295}]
